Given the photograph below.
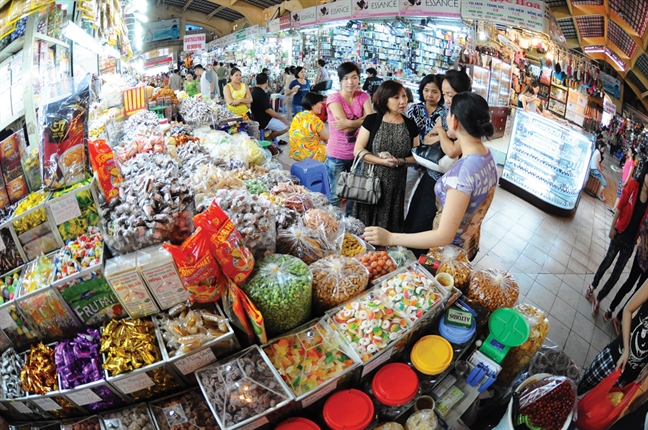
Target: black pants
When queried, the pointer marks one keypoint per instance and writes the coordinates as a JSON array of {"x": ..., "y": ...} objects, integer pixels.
[
  {"x": 221, "y": 85},
  {"x": 422, "y": 209},
  {"x": 631, "y": 284},
  {"x": 618, "y": 246}
]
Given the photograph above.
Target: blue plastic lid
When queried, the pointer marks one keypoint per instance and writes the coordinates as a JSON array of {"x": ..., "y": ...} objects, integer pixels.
[{"x": 454, "y": 334}]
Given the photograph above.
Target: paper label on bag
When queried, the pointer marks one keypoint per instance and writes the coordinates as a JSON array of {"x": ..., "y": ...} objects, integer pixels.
[
  {"x": 5, "y": 320},
  {"x": 320, "y": 394},
  {"x": 133, "y": 293},
  {"x": 134, "y": 383},
  {"x": 189, "y": 364},
  {"x": 65, "y": 209},
  {"x": 84, "y": 397},
  {"x": 165, "y": 285},
  {"x": 47, "y": 404},
  {"x": 377, "y": 362},
  {"x": 255, "y": 424},
  {"x": 175, "y": 415},
  {"x": 21, "y": 407}
]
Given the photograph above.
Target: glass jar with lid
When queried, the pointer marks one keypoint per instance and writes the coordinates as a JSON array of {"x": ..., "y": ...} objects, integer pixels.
[
  {"x": 297, "y": 423},
  {"x": 349, "y": 410},
  {"x": 394, "y": 389},
  {"x": 430, "y": 357}
]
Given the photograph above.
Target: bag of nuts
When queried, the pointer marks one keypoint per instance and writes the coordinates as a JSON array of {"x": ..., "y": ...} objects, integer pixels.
[
  {"x": 336, "y": 279},
  {"x": 454, "y": 262},
  {"x": 307, "y": 244},
  {"x": 493, "y": 289}
]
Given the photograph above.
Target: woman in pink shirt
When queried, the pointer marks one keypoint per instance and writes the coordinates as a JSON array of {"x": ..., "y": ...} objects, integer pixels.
[
  {"x": 626, "y": 175},
  {"x": 347, "y": 110}
]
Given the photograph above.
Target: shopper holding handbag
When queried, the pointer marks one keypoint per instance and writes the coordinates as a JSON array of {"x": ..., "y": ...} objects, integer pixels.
[{"x": 385, "y": 144}]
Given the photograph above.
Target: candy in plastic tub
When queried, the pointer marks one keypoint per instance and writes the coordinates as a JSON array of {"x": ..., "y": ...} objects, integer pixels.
[
  {"x": 411, "y": 293},
  {"x": 369, "y": 325}
]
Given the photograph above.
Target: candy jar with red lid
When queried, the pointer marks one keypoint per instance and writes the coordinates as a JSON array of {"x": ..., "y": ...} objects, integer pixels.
[
  {"x": 349, "y": 410},
  {"x": 297, "y": 423},
  {"x": 394, "y": 389}
]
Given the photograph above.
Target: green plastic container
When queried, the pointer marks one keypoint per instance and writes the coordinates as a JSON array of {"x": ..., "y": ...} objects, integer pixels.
[{"x": 508, "y": 329}]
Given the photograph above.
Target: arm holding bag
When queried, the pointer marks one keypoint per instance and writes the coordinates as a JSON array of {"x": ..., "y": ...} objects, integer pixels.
[{"x": 596, "y": 411}]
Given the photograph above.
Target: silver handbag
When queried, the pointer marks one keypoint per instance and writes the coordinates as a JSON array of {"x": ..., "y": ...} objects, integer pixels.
[{"x": 357, "y": 187}]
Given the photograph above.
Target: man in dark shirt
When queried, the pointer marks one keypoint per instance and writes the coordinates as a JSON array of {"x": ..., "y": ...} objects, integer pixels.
[
  {"x": 267, "y": 118},
  {"x": 373, "y": 82}
]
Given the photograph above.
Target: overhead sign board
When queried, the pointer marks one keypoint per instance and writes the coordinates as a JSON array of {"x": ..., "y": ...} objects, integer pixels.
[
  {"x": 441, "y": 8},
  {"x": 375, "y": 8},
  {"x": 195, "y": 42},
  {"x": 304, "y": 17},
  {"x": 335, "y": 11},
  {"x": 527, "y": 14}
]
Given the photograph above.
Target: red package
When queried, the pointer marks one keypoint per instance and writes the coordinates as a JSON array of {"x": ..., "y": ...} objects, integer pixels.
[
  {"x": 227, "y": 244},
  {"x": 102, "y": 159},
  {"x": 198, "y": 268}
]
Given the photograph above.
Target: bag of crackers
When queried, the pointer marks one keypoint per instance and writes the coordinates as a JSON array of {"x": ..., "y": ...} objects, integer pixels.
[
  {"x": 493, "y": 289},
  {"x": 454, "y": 261}
]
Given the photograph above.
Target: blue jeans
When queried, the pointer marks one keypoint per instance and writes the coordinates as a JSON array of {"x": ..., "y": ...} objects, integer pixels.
[
  {"x": 598, "y": 175},
  {"x": 335, "y": 166},
  {"x": 297, "y": 108}
]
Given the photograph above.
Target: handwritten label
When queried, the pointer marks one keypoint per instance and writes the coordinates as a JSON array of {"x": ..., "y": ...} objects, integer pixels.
[
  {"x": 84, "y": 397},
  {"x": 5, "y": 320},
  {"x": 47, "y": 404},
  {"x": 255, "y": 424},
  {"x": 134, "y": 383},
  {"x": 200, "y": 359},
  {"x": 21, "y": 407},
  {"x": 65, "y": 209},
  {"x": 318, "y": 395},
  {"x": 175, "y": 415},
  {"x": 377, "y": 361}
]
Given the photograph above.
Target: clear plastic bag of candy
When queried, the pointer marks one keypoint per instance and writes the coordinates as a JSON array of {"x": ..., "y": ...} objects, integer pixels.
[
  {"x": 493, "y": 289},
  {"x": 454, "y": 261},
  {"x": 307, "y": 244},
  {"x": 401, "y": 256},
  {"x": 337, "y": 279}
]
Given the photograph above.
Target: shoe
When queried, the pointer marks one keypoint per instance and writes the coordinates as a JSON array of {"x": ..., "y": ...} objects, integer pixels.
[
  {"x": 617, "y": 325},
  {"x": 601, "y": 198},
  {"x": 611, "y": 210},
  {"x": 607, "y": 316},
  {"x": 283, "y": 142},
  {"x": 595, "y": 307},
  {"x": 589, "y": 292}
]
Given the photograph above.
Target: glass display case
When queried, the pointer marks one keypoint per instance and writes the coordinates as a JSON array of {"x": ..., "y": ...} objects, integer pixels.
[
  {"x": 500, "y": 83},
  {"x": 547, "y": 163},
  {"x": 480, "y": 79}
]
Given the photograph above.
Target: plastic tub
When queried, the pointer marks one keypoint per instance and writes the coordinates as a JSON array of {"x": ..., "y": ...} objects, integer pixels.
[
  {"x": 394, "y": 389},
  {"x": 349, "y": 410},
  {"x": 297, "y": 424},
  {"x": 430, "y": 357},
  {"x": 459, "y": 337}
]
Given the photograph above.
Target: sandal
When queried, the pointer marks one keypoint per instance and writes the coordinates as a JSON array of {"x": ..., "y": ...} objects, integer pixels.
[
  {"x": 617, "y": 326},
  {"x": 589, "y": 292},
  {"x": 607, "y": 316},
  {"x": 595, "y": 307},
  {"x": 601, "y": 198}
]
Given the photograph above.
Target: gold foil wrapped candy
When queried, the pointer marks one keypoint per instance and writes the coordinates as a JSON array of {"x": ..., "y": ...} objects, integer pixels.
[
  {"x": 129, "y": 345},
  {"x": 38, "y": 376}
]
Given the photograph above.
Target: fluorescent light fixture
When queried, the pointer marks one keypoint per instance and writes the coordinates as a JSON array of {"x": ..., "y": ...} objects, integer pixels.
[
  {"x": 136, "y": 5},
  {"x": 80, "y": 37},
  {"x": 447, "y": 27},
  {"x": 482, "y": 35},
  {"x": 140, "y": 17}
]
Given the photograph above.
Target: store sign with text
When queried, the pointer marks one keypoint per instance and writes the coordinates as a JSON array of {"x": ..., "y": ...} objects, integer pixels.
[
  {"x": 304, "y": 17},
  {"x": 195, "y": 42},
  {"x": 335, "y": 11},
  {"x": 284, "y": 22},
  {"x": 273, "y": 26},
  {"x": 162, "y": 30},
  {"x": 527, "y": 14},
  {"x": 442, "y": 8},
  {"x": 375, "y": 8},
  {"x": 252, "y": 32}
]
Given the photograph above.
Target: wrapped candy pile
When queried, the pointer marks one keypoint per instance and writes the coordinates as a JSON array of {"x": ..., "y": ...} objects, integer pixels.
[
  {"x": 77, "y": 255},
  {"x": 11, "y": 364},
  {"x": 77, "y": 360},
  {"x": 38, "y": 375},
  {"x": 128, "y": 345}
]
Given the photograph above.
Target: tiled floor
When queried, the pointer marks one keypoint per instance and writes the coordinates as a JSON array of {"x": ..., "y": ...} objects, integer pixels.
[{"x": 553, "y": 260}]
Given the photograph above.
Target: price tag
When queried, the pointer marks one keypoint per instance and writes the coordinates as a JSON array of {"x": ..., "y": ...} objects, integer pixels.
[
  {"x": 134, "y": 383},
  {"x": 47, "y": 404},
  {"x": 200, "y": 359},
  {"x": 377, "y": 362},
  {"x": 255, "y": 424},
  {"x": 84, "y": 397},
  {"x": 65, "y": 209},
  {"x": 316, "y": 396},
  {"x": 21, "y": 407},
  {"x": 5, "y": 319},
  {"x": 175, "y": 415}
]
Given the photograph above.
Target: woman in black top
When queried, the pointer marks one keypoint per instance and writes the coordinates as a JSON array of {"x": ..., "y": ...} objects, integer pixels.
[{"x": 385, "y": 140}]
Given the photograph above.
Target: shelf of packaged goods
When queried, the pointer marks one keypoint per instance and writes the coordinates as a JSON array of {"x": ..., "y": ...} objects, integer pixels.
[
  {"x": 51, "y": 41},
  {"x": 13, "y": 48},
  {"x": 19, "y": 115},
  {"x": 548, "y": 196}
]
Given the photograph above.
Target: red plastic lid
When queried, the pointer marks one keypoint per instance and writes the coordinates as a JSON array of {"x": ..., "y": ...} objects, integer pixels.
[
  {"x": 297, "y": 424},
  {"x": 395, "y": 384},
  {"x": 348, "y": 410}
]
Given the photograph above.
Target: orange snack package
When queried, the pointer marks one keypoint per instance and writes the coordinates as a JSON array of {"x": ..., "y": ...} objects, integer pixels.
[
  {"x": 226, "y": 242},
  {"x": 102, "y": 159},
  {"x": 198, "y": 268}
]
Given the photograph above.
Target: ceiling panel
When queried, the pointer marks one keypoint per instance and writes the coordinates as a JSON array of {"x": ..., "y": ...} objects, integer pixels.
[
  {"x": 635, "y": 80},
  {"x": 263, "y": 3},
  {"x": 591, "y": 26},
  {"x": 568, "y": 28},
  {"x": 206, "y": 7},
  {"x": 642, "y": 64},
  {"x": 587, "y": 2},
  {"x": 634, "y": 12},
  {"x": 556, "y": 3},
  {"x": 621, "y": 39}
]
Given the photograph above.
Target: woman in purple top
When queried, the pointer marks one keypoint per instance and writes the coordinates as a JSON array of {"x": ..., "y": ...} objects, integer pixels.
[
  {"x": 465, "y": 192},
  {"x": 347, "y": 110}
]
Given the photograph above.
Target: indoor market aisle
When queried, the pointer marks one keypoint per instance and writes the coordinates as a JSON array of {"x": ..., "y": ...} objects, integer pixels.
[{"x": 553, "y": 260}]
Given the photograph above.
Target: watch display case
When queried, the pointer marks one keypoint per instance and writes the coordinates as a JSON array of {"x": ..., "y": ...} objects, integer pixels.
[
  {"x": 500, "y": 83},
  {"x": 547, "y": 163},
  {"x": 480, "y": 79}
]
